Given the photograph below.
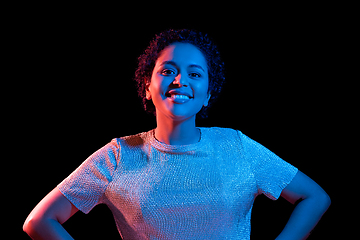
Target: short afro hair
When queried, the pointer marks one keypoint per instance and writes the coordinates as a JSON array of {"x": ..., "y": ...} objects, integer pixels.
[{"x": 146, "y": 63}]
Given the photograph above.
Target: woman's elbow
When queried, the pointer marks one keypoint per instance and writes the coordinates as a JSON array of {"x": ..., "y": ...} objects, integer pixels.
[
  {"x": 326, "y": 200},
  {"x": 32, "y": 226},
  {"x": 323, "y": 200},
  {"x": 29, "y": 226}
]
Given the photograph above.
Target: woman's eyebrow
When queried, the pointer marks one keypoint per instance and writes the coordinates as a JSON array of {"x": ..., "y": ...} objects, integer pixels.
[
  {"x": 190, "y": 66},
  {"x": 168, "y": 62},
  {"x": 196, "y": 66}
]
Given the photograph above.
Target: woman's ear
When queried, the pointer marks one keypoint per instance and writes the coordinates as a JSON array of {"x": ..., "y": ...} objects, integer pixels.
[
  {"x": 147, "y": 89},
  {"x": 206, "y": 103}
]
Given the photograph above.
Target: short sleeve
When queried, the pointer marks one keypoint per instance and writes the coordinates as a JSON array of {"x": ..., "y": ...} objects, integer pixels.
[
  {"x": 272, "y": 174},
  {"x": 86, "y": 185}
]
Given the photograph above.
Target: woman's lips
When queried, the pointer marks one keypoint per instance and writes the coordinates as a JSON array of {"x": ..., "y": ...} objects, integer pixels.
[{"x": 178, "y": 96}]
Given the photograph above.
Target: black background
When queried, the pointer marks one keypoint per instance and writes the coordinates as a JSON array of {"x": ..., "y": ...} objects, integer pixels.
[{"x": 71, "y": 70}]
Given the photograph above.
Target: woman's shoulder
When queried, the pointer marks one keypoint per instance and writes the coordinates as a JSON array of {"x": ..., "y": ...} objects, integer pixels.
[
  {"x": 229, "y": 136},
  {"x": 220, "y": 132},
  {"x": 221, "y": 136},
  {"x": 134, "y": 140}
]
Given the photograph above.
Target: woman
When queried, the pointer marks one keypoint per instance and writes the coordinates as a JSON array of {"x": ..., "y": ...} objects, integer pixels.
[{"x": 179, "y": 181}]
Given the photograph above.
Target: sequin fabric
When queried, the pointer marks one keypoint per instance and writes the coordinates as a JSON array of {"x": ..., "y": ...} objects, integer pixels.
[{"x": 204, "y": 190}]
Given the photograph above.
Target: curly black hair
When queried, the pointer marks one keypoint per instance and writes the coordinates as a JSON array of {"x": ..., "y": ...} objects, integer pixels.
[{"x": 146, "y": 63}]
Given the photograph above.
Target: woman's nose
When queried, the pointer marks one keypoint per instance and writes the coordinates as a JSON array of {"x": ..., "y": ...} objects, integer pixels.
[{"x": 180, "y": 80}]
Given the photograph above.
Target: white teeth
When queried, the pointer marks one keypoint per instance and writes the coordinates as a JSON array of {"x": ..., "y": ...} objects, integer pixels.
[{"x": 176, "y": 96}]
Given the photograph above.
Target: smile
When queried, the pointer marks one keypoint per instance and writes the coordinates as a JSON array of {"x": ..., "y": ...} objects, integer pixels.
[{"x": 178, "y": 96}]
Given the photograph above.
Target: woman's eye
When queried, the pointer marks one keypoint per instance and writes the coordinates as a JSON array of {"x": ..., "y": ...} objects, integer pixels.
[
  {"x": 167, "y": 72},
  {"x": 194, "y": 75}
]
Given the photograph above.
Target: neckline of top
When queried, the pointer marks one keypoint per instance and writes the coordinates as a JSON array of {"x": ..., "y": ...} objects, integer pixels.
[{"x": 177, "y": 148}]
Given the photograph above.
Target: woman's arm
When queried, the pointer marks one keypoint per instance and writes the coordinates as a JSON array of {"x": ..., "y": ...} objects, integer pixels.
[
  {"x": 44, "y": 221},
  {"x": 308, "y": 212}
]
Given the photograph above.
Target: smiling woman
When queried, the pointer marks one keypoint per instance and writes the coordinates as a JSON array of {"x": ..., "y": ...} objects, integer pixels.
[{"x": 180, "y": 181}]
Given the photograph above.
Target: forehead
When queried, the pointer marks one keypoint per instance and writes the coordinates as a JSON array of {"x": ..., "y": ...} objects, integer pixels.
[{"x": 182, "y": 54}]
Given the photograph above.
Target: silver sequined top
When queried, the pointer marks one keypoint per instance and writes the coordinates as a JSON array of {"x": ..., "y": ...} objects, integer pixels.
[{"x": 204, "y": 190}]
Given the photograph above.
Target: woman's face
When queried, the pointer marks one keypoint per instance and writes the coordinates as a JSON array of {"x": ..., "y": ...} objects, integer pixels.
[{"x": 179, "y": 82}]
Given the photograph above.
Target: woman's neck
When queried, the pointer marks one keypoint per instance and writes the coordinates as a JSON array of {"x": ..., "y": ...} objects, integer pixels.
[{"x": 173, "y": 132}]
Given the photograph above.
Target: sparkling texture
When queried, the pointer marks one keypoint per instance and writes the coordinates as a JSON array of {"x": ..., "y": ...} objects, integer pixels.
[{"x": 204, "y": 190}]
